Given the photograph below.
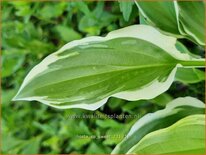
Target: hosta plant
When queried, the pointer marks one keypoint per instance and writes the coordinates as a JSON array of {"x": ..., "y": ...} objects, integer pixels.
[{"x": 133, "y": 63}]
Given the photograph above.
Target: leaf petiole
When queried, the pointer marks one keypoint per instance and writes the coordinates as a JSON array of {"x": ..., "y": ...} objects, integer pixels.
[{"x": 193, "y": 63}]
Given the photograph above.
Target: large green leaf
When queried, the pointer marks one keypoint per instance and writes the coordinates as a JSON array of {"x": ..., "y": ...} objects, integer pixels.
[
  {"x": 160, "y": 15},
  {"x": 191, "y": 17},
  {"x": 127, "y": 64},
  {"x": 174, "y": 111},
  {"x": 187, "y": 136}
]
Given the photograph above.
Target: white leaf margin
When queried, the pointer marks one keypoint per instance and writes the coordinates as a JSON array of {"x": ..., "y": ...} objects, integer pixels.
[
  {"x": 144, "y": 32},
  {"x": 153, "y": 24},
  {"x": 169, "y": 109},
  {"x": 197, "y": 119},
  {"x": 189, "y": 101},
  {"x": 183, "y": 29}
]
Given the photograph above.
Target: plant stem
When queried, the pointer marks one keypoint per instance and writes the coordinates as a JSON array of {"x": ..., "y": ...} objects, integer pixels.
[{"x": 193, "y": 63}]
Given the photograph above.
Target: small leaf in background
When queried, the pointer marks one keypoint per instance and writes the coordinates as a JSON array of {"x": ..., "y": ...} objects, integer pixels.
[
  {"x": 10, "y": 143},
  {"x": 7, "y": 95},
  {"x": 83, "y": 7},
  {"x": 53, "y": 142},
  {"x": 189, "y": 76},
  {"x": 126, "y": 8},
  {"x": 47, "y": 128},
  {"x": 95, "y": 20},
  {"x": 32, "y": 146},
  {"x": 12, "y": 34},
  {"x": 78, "y": 143},
  {"x": 94, "y": 148},
  {"x": 66, "y": 33},
  {"x": 132, "y": 106},
  {"x": 115, "y": 103},
  {"x": 23, "y": 9},
  {"x": 162, "y": 99},
  {"x": 6, "y": 11},
  {"x": 51, "y": 10},
  {"x": 116, "y": 134},
  {"x": 75, "y": 128},
  {"x": 11, "y": 62},
  {"x": 107, "y": 123},
  {"x": 15, "y": 146},
  {"x": 38, "y": 47}
]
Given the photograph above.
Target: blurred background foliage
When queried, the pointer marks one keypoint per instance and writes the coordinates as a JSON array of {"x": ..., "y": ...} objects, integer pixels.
[{"x": 31, "y": 31}]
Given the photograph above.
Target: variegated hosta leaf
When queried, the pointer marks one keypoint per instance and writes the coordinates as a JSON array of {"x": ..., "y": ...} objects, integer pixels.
[
  {"x": 174, "y": 111},
  {"x": 136, "y": 62},
  {"x": 191, "y": 17},
  {"x": 187, "y": 136},
  {"x": 181, "y": 19},
  {"x": 160, "y": 14}
]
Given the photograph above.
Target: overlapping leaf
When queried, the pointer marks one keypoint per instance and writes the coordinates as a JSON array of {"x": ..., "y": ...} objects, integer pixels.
[
  {"x": 187, "y": 136},
  {"x": 191, "y": 17},
  {"x": 181, "y": 19},
  {"x": 174, "y": 111},
  {"x": 160, "y": 15}
]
